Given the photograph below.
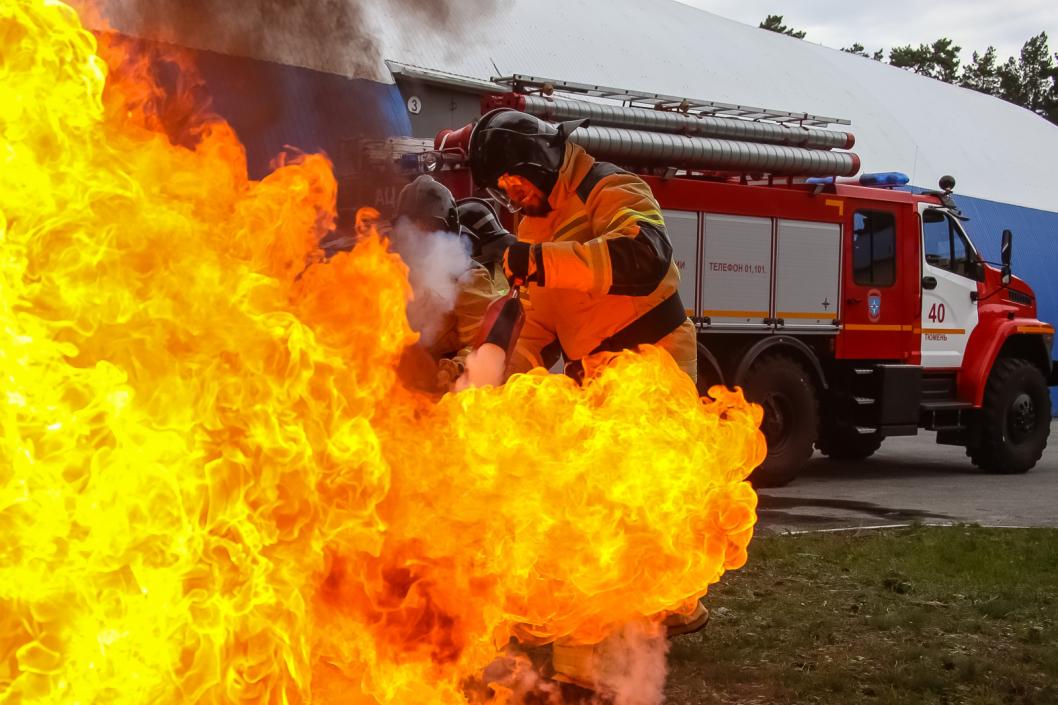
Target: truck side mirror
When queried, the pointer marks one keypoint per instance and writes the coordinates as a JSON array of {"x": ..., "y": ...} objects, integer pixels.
[{"x": 1005, "y": 251}]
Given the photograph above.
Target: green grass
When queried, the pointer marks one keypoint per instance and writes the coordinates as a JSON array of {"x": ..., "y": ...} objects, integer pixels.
[{"x": 942, "y": 615}]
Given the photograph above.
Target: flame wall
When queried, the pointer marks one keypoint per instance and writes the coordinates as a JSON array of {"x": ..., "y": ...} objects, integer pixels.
[{"x": 213, "y": 487}]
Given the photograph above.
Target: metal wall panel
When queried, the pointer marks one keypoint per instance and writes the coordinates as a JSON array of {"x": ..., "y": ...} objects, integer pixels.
[
  {"x": 682, "y": 228},
  {"x": 736, "y": 271},
  {"x": 808, "y": 280}
]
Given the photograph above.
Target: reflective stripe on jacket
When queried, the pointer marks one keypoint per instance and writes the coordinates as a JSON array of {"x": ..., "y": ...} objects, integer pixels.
[{"x": 603, "y": 259}]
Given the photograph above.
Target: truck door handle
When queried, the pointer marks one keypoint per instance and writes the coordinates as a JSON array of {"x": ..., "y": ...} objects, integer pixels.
[
  {"x": 852, "y": 301},
  {"x": 929, "y": 282}
]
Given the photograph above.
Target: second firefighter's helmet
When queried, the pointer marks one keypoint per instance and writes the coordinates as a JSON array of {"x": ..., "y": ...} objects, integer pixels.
[
  {"x": 480, "y": 222},
  {"x": 516, "y": 143},
  {"x": 428, "y": 203}
]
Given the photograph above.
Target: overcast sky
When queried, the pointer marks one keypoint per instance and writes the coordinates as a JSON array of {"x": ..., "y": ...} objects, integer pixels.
[{"x": 973, "y": 24}]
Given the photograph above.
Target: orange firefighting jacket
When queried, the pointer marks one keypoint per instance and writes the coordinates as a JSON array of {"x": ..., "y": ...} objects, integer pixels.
[{"x": 603, "y": 260}]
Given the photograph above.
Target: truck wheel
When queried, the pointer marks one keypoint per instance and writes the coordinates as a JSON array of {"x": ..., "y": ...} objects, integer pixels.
[
  {"x": 791, "y": 417},
  {"x": 846, "y": 443},
  {"x": 1014, "y": 420},
  {"x": 708, "y": 371}
]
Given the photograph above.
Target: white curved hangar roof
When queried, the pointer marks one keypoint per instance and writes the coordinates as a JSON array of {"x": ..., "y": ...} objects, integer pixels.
[{"x": 902, "y": 121}]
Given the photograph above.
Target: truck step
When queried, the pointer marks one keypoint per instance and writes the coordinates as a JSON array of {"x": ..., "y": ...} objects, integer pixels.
[
  {"x": 901, "y": 430},
  {"x": 938, "y": 387},
  {"x": 864, "y": 401},
  {"x": 936, "y": 406},
  {"x": 866, "y": 430},
  {"x": 863, "y": 371},
  {"x": 949, "y": 428}
]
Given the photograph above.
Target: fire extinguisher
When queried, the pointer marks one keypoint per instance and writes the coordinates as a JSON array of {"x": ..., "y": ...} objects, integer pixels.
[{"x": 503, "y": 323}]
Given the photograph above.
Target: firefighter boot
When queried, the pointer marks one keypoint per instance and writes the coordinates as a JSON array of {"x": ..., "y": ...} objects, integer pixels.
[
  {"x": 677, "y": 624},
  {"x": 574, "y": 664},
  {"x": 575, "y": 667}
]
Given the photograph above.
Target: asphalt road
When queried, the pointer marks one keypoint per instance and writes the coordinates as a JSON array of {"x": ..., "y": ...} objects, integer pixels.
[{"x": 912, "y": 480}]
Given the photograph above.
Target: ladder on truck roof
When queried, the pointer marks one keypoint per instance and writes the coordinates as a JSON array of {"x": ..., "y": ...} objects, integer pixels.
[
  {"x": 525, "y": 84},
  {"x": 640, "y": 130},
  {"x": 521, "y": 83}
]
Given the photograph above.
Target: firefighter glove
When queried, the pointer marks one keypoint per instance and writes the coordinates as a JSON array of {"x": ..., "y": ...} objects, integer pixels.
[
  {"x": 448, "y": 371},
  {"x": 494, "y": 250},
  {"x": 520, "y": 263}
]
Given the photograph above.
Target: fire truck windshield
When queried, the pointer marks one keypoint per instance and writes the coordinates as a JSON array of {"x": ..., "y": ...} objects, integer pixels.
[{"x": 945, "y": 246}]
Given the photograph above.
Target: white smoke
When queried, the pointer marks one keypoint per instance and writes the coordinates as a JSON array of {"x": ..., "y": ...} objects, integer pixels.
[
  {"x": 484, "y": 367},
  {"x": 436, "y": 262},
  {"x": 626, "y": 668},
  {"x": 345, "y": 37},
  {"x": 630, "y": 665}
]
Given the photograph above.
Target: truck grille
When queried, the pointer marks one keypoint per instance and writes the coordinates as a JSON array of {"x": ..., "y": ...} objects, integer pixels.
[{"x": 1018, "y": 297}]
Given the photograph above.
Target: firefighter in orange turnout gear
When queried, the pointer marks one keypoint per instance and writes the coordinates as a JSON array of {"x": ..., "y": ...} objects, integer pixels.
[
  {"x": 591, "y": 245},
  {"x": 593, "y": 249}
]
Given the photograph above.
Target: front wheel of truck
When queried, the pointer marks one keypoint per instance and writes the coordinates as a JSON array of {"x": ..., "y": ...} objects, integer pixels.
[{"x": 1011, "y": 429}]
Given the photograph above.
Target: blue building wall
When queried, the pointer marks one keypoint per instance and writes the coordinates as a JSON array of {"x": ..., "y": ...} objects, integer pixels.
[
  {"x": 1035, "y": 249},
  {"x": 273, "y": 105}
]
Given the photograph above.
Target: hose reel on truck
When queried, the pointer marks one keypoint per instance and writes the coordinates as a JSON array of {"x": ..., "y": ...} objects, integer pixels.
[{"x": 656, "y": 131}]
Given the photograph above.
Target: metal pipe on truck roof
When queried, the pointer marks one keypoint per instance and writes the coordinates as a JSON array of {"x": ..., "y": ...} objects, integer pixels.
[
  {"x": 601, "y": 115},
  {"x": 635, "y": 147}
]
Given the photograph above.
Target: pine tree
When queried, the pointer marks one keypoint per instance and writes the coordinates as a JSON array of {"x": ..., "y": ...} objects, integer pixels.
[
  {"x": 939, "y": 60},
  {"x": 1052, "y": 94},
  {"x": 773, "y": 23},
  {"x": 908, "y": 57},
  {"x": 982, "y": 75},
  {"x": 1029, "y": 80},
  {"x": 859, "y": 50}
]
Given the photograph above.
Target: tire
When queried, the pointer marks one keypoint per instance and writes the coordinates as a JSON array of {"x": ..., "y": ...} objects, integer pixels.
[
  {"x": 1015, "y": 419},
  {"x": 846, "y": 443},
  {"x": 791, "y": 417},
  {"x": 708, "y": 375}
]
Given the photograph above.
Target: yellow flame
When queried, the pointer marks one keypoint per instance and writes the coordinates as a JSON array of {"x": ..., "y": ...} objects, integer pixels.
[{"x": 213, "y": 487}]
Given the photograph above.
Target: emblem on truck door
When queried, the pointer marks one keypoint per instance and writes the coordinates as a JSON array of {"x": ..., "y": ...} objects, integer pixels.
[{"x": 874, "y": 305}]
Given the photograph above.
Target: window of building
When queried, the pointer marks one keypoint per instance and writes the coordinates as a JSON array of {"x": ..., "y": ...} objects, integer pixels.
[{"x": 874, "y": 248}]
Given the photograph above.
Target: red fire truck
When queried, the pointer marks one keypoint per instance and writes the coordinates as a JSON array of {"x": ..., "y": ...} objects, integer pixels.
[{"x": 849, "y": 308}]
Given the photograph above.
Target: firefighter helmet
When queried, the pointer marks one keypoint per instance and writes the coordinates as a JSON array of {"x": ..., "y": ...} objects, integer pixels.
[
  {"x": 429, "y": 203},
  {"x": 513, "y": 142},
  {"x": 480, "y": 222}
]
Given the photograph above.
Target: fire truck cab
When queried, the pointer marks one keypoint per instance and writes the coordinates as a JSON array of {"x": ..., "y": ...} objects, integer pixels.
[{"x": 851, "y": 309}]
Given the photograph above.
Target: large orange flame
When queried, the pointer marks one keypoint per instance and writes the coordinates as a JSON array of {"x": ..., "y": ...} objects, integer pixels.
[{"x": 213, "y": 487}]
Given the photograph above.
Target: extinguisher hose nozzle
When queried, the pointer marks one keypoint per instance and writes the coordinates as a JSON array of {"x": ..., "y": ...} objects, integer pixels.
[{"x": 505, "y": 329}]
